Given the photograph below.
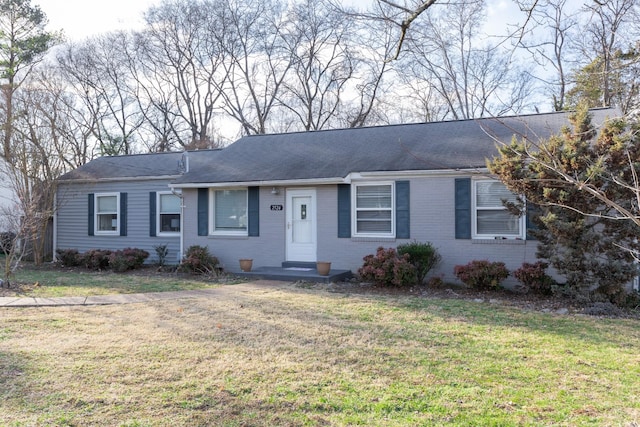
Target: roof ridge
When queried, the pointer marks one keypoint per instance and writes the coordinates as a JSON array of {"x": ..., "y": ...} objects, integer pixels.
[{"x": 477, "y": 119}]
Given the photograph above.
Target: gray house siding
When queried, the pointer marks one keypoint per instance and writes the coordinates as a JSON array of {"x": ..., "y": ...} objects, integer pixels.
[
  {"x": 432, "y": 218},
  {"x": 73, "y": 222},
  {"x": 265, "y": 249}
]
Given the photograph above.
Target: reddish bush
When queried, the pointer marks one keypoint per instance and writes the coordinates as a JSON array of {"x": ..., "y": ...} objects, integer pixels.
[
  {"x": 127, "y": 259},
  {"x": 68, "y": 257},
  {"x": 96, "y": 259},
  {"x": 534, "y": 277},
  {"x": 198, "y": 260},
  {"x": 387, "y": 268},
  {"x": 482, "y": 274}
]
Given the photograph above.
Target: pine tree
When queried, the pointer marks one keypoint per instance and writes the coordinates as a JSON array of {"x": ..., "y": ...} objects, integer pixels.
[{"x": 585, "y": 185}]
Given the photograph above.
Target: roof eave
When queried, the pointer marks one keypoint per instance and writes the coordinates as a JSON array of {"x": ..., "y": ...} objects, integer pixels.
[
  {"x": 266, "y": 183},
  {"x": 121, "y": 178},
  {"x": 353, "y": 176}
]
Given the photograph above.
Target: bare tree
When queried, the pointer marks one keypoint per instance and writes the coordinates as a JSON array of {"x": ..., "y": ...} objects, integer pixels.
[
  {"x": 551, "y": 28},
  {"x": 163, "y": 128},
  {"x": 400, "y": 14},
  {"x": 32, "y": 172},
  {"x": 613, "y": 26},
  {"x": 374, "y": 73},
  {"x": 183, "y": 58},
  {"x": 78, "y": 67},
  {"x": 97, "y": 69},
  {"x": 321, "y": 43},
  {"x": 70, "y": 140},
  {"x": 472, "y": 77},
  {"x": 258, "y": 61}
]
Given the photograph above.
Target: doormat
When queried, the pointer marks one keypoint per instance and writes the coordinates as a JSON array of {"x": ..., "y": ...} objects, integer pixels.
[{"x": 298, "y": 269}]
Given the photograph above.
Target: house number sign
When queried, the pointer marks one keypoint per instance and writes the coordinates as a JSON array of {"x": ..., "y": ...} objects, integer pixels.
[{"x": 277, "y": 207}]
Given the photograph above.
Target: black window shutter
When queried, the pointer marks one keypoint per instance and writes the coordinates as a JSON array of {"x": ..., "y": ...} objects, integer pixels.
[
  {"x": 123, "y": 214},
  {"x": 203, "y": 211},
  {"x": 253, "y": 211},
  {"x": 344, "y": 210},
  {"x": 152, "y": 214},
  {"x": 90, "y": 217},
  {"x": 532, "y": 211},
  {"x": 403, "y": 230},
  {"x": 463, "y": 208}
]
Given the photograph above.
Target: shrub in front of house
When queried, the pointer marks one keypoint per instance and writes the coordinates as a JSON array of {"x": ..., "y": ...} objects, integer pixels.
[
  {"x": 68, "y": 257},
  {"x": 535, "y": 278},
  {"x": 127, "y": 259},
  {"x": 423, "y": 256},
  {"x": 482, "y": 274},
  {"x": 388, "y": 268},
  {"x": 436, "y": 282},
  {"x": 96, "y": 259},
  {"x": 198, "y": 260},
  {"x": 162, "y": 251}
]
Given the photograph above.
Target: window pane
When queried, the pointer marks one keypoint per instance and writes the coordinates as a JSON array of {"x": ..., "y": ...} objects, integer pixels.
[
  {"x": 368, "y": 226},
  {"x": 374, "y": 204},
  {"x": 231, "y": 210},
  {"x": 373, "y": 222},
  {"x": 170, "y": 222},
  {"x": 491, "y": 194},
  {"x": 374, "y": 215},
  {"x": 373, "y": 196},
  {"x": 107, "y": 222},
  {"x": 169, "y": 203},
  {"x": 497, "y": 222},
  {"x": 107, "y": 204}
]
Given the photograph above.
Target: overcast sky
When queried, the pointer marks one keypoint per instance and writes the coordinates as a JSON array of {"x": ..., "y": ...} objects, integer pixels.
[{"x": 82, "y": 18}]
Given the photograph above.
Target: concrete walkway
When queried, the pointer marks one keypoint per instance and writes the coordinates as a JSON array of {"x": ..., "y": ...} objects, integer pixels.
[{"x": 137, "y": 298}]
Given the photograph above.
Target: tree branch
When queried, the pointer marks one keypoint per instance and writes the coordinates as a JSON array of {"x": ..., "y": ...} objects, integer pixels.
[{"x": 406, "y": 23}]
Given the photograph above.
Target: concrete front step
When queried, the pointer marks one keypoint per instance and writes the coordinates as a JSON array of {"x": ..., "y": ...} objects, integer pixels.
[{"x": 294, "y": 272}]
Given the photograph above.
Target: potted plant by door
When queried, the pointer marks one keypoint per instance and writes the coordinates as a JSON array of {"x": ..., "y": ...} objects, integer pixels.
[
  {"x": 246, "y": 264},
  {"x": 323, "y": 267}
]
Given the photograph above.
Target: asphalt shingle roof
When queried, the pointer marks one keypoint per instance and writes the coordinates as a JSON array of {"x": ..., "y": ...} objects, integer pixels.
[
  {"x": 131, "y": 166},
  {"x": 451, "y": 145}
]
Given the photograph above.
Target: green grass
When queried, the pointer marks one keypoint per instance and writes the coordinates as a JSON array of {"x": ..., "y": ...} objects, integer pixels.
[
  {"x": 54, "y": 282},
  {"x": 306, "y": 357}
]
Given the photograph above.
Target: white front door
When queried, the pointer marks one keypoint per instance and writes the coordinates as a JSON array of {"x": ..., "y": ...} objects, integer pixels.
[{"x": 301, "y": 225}]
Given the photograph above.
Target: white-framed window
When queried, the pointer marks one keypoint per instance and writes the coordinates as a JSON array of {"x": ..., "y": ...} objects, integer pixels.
[
  {"x": 373, "y": 205},
  {"x": 491, "y": 219},
  {"x": 107, "y": 213},
  {"x": 168, "y": 211},
  {"x": 229, "y": 211}
]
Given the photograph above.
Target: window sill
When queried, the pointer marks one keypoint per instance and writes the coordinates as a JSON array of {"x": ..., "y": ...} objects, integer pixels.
[
  {"x": 106, "y": 233},
  {"x": 485, "y": 241},
  {"x": 168, "y": 234},
  {"x": 372, "y": 239},
  {"x": 229, "y": 236}
]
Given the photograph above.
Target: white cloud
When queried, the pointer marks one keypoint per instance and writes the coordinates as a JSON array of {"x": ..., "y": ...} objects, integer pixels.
[{"x": 80, "y": 18}]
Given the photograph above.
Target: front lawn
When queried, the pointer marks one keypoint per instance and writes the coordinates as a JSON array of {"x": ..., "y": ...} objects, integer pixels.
[
  {"x": 294, "y": 356},
  {"x": 52, "y": 281}
]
